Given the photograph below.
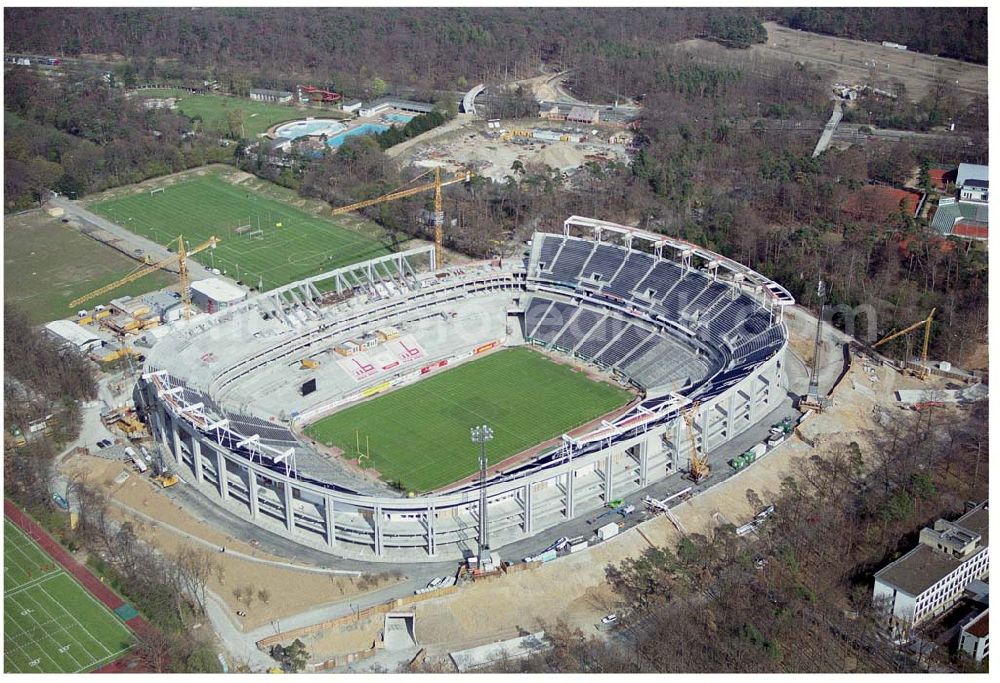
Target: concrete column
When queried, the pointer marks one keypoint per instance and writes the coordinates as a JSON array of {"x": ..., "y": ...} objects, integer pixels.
[
  {"x": 175, "y": 435},
  {"x": 753, "y": 400},
  {"x": 222, "y": 473},
  {"x": 527, "y": 509},
  {"x": 731, "y": 415},
  {"x": 331, "y": 526},
  {"x": 377, "y": 520},
  {"x": 252, "y": 491},
  {"x": 570, "y": 485},
  {"x": 161, "y": 421},
  {"x": 609, "y": 489},
  {"x": 431, "y": 546},
  {"x": 199, "y": 474},
  {"x": 644, "y": 448},
  {"x": 289, "y": 510}
]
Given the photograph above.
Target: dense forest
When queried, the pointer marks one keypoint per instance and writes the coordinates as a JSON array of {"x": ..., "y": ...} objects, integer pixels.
[
  {"x": 352, "y": 49},
  {"x": 87, "y": 137},
  {"x": 956, "y": 32}
]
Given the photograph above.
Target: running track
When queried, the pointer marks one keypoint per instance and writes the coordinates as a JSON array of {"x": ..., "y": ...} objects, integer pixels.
[{"x": 138, "y": 624}]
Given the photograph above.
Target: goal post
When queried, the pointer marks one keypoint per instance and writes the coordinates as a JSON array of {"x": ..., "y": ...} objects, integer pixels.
[{"x": 156, "y": 190}]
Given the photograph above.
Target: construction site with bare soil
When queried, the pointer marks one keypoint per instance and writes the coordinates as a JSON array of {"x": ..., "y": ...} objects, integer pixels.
[{"x": 519, "y": 147}]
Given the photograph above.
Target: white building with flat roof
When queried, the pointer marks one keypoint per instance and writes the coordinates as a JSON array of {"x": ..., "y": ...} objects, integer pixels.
[
  {"x": 263, "y": 95},
  {"x": 929, "y": 579},
  {"x": 974, "y": 639},
  {"x": 214, "y": 294}
]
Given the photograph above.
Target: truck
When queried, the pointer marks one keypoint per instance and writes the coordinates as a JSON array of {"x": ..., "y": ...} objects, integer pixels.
[
  {"x": 608, "y": 531},
  {"x": 744, "y": 459},
  {"x": 784, "y": 427}
]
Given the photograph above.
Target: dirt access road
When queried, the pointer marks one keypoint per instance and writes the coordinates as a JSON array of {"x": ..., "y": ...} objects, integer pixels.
[{"x": 849, "y": 61}]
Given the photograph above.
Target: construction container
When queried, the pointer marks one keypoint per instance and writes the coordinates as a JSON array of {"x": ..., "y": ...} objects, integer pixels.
[
  {"x": 85, "y": 321},
  {"x": 608, "y": 531}
]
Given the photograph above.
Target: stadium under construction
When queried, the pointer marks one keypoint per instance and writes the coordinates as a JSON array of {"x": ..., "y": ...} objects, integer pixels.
[{"x": 699, "y": 339}]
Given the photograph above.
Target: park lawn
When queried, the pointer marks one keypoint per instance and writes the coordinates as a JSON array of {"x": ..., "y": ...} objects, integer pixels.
[
  {"x": 51, "y": 624},
  {"x": 257, "y": 116},
  {"x": 47, "y": 264},
  {"x": 419, "y": 436},
  {"x": 205, "y": 206}
]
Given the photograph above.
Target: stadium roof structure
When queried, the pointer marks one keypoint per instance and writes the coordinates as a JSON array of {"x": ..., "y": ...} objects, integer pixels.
[{"x": 775, "y": 293}]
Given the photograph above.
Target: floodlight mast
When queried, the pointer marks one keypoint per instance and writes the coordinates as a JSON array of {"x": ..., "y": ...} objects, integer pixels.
[
  {"x": 482, "y": 434},
  {"x": 813, "y": 391}
]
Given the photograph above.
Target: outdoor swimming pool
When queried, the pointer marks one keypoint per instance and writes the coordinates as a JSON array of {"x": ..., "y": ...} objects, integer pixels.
[
  {"x": 363, "y": 129},
  {"x": 299, "y": 129},
  {"x": 399, "y": 118}
]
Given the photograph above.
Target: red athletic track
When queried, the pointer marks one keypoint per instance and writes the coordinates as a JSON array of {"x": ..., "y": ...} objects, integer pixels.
[{"x": 138, "y": 624}]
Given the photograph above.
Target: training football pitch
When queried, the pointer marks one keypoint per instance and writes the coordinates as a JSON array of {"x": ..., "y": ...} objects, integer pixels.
[
  {"x": 51, "y": 624},
  {"x": 264, "y": 242},
  {"x": 419, "y": 435}
]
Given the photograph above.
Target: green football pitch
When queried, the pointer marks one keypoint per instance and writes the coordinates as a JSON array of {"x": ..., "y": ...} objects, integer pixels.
[
  {"x": 419, "y": 435},
  {"x": 51, "y": 624},
  {"x": 276, "y": 244}
]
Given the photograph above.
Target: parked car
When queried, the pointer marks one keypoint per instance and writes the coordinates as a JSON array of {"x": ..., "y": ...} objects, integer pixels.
[
  {"x": 610, "y": 619},
  {"x": 435, "y": 582},
  {"x": 560, "y": 544},
  {"x": 100, "y": 444}
]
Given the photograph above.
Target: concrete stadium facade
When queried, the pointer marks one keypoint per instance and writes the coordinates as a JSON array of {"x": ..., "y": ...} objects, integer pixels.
[{"x": 645, "y": 444}]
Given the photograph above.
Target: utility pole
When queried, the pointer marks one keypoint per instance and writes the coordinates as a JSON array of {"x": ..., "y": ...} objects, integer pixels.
[{"x": 481, "y": 435}]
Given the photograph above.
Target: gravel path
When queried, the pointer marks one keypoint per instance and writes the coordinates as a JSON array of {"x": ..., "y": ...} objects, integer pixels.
[{"x": 133, "y": 241}]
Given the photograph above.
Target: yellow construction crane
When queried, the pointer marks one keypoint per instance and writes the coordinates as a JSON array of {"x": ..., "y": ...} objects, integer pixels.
[
  {"x": 180, "y": 258},
  {"x": 926, "y": 324},
  {"x": 699, "y": 468},
  {"x": 464, "y": 176}
]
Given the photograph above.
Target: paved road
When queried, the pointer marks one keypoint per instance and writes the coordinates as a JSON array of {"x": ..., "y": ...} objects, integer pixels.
[
  {"x": 132, "y": 241},
  {"x": 830, "y": 128}
]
